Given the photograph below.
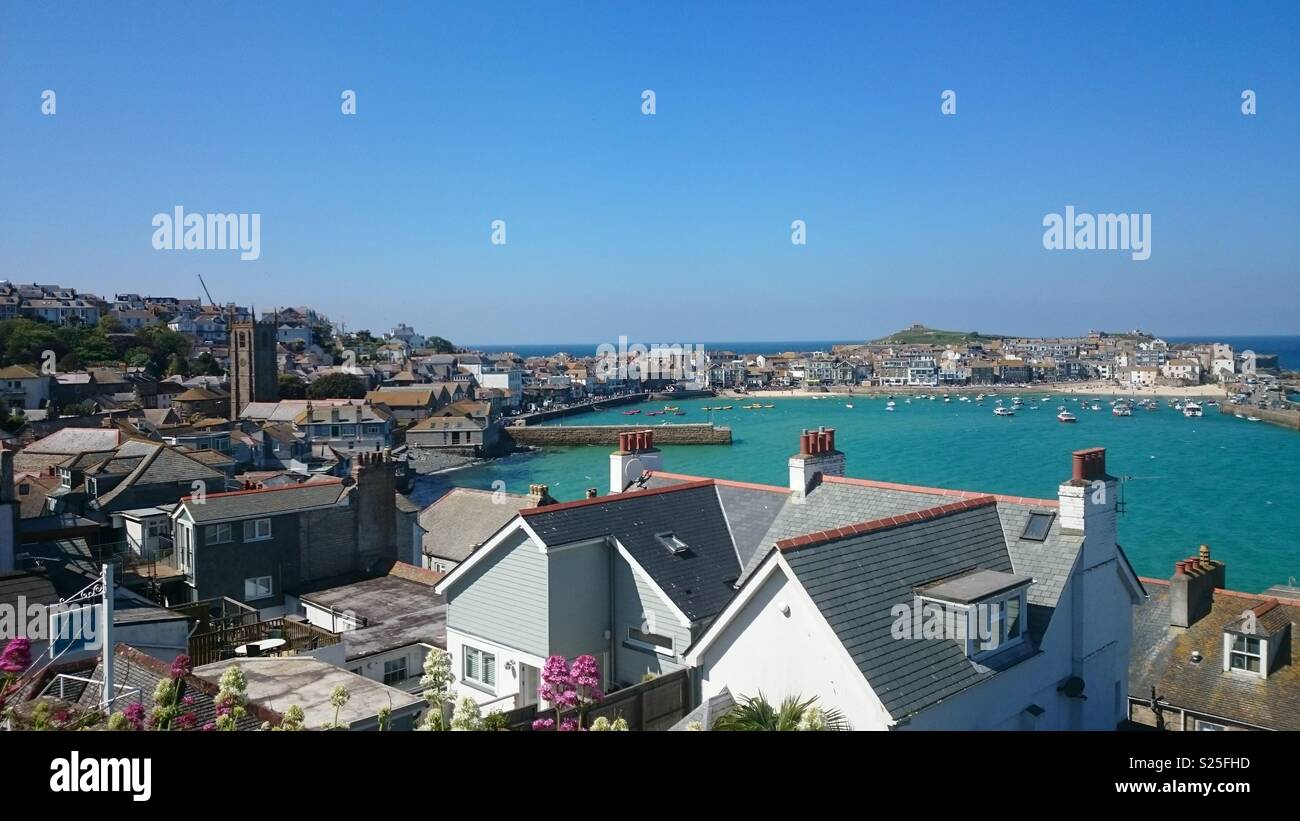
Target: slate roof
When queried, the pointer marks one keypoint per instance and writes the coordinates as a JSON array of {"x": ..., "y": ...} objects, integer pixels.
[
  {"x": 244, "y": 504},
  {"x": 463, "y": 519},
  {"x": 160, "y": 465},
  {"x": 699, "y": 580},
  {"x": 77, "y": 440},
  {"x": 855, "y": 582},
  {"x": 33, "y": 585},
  {"x": 1161, "y": 656}
]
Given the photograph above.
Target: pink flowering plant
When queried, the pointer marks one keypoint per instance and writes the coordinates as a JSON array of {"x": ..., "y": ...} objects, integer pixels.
[{"x": 566, "y": 686}]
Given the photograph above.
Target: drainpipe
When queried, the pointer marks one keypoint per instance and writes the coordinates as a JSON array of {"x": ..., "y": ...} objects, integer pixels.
[{"x": 612, "y": 666}]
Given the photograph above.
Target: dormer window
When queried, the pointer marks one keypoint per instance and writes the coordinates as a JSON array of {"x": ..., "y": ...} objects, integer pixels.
[
  {"x": 985, "y": 608},
  {"x": 1246, "y": 653}
]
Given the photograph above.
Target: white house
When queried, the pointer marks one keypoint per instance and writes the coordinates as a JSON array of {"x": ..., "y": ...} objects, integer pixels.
[
  {"x": 794, "y": 590},
  {"x": 976, "y": 613}
]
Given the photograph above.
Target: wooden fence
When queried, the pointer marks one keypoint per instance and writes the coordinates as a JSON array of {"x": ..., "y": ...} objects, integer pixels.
[
  {"x": 651, "y": 705},
  {"x": 206, "y": 648}
]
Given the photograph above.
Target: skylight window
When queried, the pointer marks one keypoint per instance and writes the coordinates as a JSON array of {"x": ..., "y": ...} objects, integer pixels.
[
  {"x": 1038, "y": 526},
  {"x": 669, "y": 540}
]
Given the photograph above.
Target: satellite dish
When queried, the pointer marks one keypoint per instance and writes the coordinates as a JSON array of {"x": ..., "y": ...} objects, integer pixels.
[{"x": 1073, "y": 688}]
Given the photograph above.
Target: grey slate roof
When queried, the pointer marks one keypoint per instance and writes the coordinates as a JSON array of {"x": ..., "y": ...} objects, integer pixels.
[
  {"x": 856, "y": 581},
  {"x": 699, "y": 581},
  {"x": 159, "y": 465},
  {"x": 398, "y": 612},
  {"x": 465, "y": 518},
  {"x": 243, "y": 504}
]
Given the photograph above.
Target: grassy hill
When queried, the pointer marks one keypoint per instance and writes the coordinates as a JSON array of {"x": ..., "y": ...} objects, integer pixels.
[{"x": 921, "y": 335}]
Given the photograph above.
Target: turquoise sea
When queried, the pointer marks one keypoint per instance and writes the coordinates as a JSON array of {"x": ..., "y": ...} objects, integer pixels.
[{"x": 1217, "y": 480}]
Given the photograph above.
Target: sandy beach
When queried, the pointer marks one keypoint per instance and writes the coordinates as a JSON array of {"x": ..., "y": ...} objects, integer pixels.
[{"x": 1095, "y": 388}]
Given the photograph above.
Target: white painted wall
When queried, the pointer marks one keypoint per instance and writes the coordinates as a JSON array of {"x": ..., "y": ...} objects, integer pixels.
[
  {"x": 799, "y": 654},
  {"x": 499, "y": 697}
]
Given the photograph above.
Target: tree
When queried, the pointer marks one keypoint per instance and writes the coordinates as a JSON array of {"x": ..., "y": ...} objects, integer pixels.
[
  {"x": 757, "y": 713},
  {"x": 291, "y": 387},
  {"x": 337, "y": 386},
  {"x": 439, "y": 345}
]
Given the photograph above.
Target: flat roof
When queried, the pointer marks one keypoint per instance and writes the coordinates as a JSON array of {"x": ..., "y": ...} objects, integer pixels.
[
  {"x": 281, "y": 682},
  {"x": 973, "y": 586}
]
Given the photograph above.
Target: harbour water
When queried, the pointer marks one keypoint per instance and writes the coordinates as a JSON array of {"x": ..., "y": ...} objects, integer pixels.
[{"x": 1217, "y": 479}]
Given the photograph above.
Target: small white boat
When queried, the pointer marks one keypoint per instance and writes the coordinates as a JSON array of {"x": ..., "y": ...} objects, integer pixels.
[
  {"x": 1066, "y": 416},
  {"x": 1003, "y": 412},
  {"x": 889, "y": 408},
  {"x": 848, "y": 405},
  {"x": 1191, "y": 410},
  {"x": 1096, "y": 406},
  {"x": 1253, "y": 419},
  {"x": 1121, "y": 409}
]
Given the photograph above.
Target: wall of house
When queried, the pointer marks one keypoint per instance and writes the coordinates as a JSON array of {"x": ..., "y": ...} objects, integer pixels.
[
  {"x": 503, "y": 695},
  {"x": 578, "y": 580},
  {"x": 799, "y": 654},
  {"x": 505, "y": 597},
  {"x": 328, "y": 546},
  {"x": 372, "y": 667},
  {"x": 637, "y": 604},
  {"x": 220, "y": 569}
]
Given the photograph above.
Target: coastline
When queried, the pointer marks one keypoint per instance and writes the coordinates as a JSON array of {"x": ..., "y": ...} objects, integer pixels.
[{"x": 1073, "y": 388}]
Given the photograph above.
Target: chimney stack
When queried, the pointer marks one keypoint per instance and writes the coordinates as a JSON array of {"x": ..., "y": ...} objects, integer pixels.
[
  {"x": 636, "y": 454},
  {"x": 1191, "y": 590},
  {"x": 1089, "y": 505},
  {"x": 817, "y": 457},
  {"x": 539, "y": 496}
]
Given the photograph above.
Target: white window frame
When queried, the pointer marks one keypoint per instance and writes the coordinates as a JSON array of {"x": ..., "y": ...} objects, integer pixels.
[
  {"x": 1230, "y": 652},
  {"x": 270, "y": 588},
  {"x": 405, "y": 670},
  {"x": 252, "y": 528},
  {"x": 486, "y": 661},
  {"x": 211, "y": 529},
  {"x": 641, "y": 644}
]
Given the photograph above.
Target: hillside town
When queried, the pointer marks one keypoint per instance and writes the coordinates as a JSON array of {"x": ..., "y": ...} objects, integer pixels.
[{"x": 243, "y": 481}]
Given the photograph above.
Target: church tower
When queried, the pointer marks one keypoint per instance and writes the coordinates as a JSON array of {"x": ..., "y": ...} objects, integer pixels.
[{"x": 253, "y": 373}]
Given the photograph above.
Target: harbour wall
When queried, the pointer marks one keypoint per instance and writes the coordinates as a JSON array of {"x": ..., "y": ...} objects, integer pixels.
[
  {"x": 556, "y": 436},
  {"x": 1284, "y": 418}
]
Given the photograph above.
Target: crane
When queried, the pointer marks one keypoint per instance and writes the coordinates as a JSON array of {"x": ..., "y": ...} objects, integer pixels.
[{"x": 206, "y": 291}]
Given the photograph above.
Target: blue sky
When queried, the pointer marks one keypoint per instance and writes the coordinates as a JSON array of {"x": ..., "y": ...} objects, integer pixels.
[{"x": 672, "y": 227}]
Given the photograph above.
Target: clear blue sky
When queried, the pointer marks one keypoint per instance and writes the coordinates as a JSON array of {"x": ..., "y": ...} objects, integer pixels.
[{"x": 676, "y": 227}]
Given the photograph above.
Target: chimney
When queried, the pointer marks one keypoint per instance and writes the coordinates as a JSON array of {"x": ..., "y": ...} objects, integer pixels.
[
  {"x": 1089, "y": 505},
  {"x": 636, "y": 454},
  {"x": 539, "y": 496},
  {"x": 817, "y": 457},
  {"x": 1191, "y": 590}
]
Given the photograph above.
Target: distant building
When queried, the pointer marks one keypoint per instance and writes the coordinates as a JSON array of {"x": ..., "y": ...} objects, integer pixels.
[{"x": 253, "y": 374}]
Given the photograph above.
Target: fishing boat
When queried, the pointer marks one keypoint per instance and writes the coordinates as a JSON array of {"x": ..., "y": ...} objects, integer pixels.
[
  {"x": 848, "y": 405},
  {"x": 725, "y": 407},
  {"x": 1121, "y": 409},
  {"x": 1000, "y": 411},
  {"x": 679, "y": 413},
  {"x": 631, "y": 413},
  {"x": 1096, "y": 406},
  {"x": 889, "y": 408},
  {"x": 1253, "y": 419},
  {"x": 979, "y": 397},
  {"x": 1191, "y": 410},
  {"x": 1066, "y": 416},
  {"x": 655, "y": 413},
  {"x": 889, "y": 404},
  {"x": 769, "y": 406},
  {"x": 670, "y": 408}
]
